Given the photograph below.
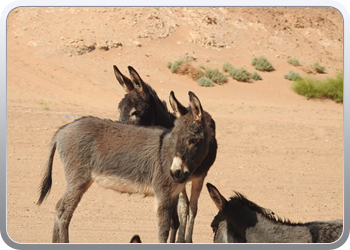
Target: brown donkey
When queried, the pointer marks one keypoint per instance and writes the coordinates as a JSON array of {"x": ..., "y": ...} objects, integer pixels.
[
  {"x": 242, "y": 221},
  {"x": 142, "y": 106},
  {"x": 128, "y": 159}
]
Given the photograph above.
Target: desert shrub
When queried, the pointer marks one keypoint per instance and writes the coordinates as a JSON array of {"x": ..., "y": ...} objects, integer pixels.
[
  {"x": 262, "y": 64},
  {"x": 313, "y": 88},
  {"x": 293, "y": 61},
  {"x": 168, "y": 64},
  {"x": 205, "y": 82},
  {"x": 188, "y": 69},
  {"x": 319, "y": 68},
  {"x": 333, "y": 87},
  {"x": 216, "y": 76},
  {"x": 291, "y": 75},
  {"x": 240, "y": 74},
  {"x": 202, "y": 67},
  {"x": 227, "y": 67},
  {"x": 175, "y": 65},
  {"x": 255, "y": 76}
]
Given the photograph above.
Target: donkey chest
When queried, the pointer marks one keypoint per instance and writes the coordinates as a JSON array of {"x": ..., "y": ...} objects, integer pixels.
[{"x": 122, "y": 185}]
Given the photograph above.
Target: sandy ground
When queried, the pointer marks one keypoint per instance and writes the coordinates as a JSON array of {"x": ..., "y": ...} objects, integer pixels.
[{"x": 280, "y": 150}]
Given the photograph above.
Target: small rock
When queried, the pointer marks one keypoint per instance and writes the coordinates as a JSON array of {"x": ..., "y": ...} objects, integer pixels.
[{"x": 138, "y": 44}]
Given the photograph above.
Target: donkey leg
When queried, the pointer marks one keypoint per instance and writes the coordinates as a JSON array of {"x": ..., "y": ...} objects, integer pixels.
[
  {"x": 174, "y": 223},
  {"x": 56, "y": 231},
  {"x": 197, "y": 185},
  {"x": 65, "y": 209},
  {"x": 164, "y": 214},
  {"x": 183, "y": 212}
]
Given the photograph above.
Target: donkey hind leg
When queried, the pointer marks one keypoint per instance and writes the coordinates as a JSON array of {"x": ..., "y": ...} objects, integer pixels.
[
  {"x": 182, "y": 209},
  {"x": 197, "y": 185},
  {"x": 64, "y": 211},
  {"x": 56, "y": 231},
  {"x": 174, "y": 223}
]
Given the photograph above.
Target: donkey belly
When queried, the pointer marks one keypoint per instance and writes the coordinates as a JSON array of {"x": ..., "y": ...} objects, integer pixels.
[{"x": 122, "y": 185}]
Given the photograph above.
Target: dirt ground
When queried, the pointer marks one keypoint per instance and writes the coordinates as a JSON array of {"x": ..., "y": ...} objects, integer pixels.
[{"x": 281, "y": 150}]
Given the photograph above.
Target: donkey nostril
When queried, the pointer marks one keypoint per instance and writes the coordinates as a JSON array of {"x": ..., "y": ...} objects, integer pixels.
[{"x": 177, "y": 173}]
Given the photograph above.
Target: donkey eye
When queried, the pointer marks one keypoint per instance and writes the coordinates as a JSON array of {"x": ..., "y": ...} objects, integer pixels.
[
  {"x": 136, "y": 113},
  {"x": 192, "y": 141}
]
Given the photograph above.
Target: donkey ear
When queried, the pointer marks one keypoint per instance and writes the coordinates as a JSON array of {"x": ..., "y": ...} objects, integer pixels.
[
  {"x": 137, "y": 82},
  {"x": 196, "y": 106},
  {"x": 135, "y": 239},
  {"x": 178, "y": 108},
  {"x": 123, "y": 80},
  {"x": 215, "y": 195}
]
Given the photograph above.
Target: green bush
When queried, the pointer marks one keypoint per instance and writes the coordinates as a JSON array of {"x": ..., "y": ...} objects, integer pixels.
[
  {"x": 262, "y": 64},
  {"x": 313, "y": 88},
  {"x": 205, "y": 82},
  {"x": 293, "y": 61},
  {"x": 240, "y": 74},
  {"x": 255, "y": 76},
  {"x": 174, "y": 66},
  {"x": 202, "y": 67},
  {"x": 319, "y": 68},
  {"x": 291, "y": 75},
  {"x": 227, "y": 67},
  {"x": 168, "y": 64},
  {"x": 216, "y": 76}
]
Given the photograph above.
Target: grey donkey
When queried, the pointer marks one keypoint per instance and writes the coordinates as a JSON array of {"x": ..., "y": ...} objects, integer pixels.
[{"x": 128, "y": 159}]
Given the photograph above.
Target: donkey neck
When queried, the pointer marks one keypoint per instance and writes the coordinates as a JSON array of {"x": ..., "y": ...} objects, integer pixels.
[
  {"x": 270, "y": 231},
  {"x": 163, "y": 117}
]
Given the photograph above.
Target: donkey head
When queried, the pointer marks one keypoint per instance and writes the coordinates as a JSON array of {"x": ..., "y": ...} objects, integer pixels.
[
  {"x": 224, "y": 230},
  {"x": 237, "y": 214},
  {"x": 192, "y": 138},
  {"x": 136, "y": 106},
  {"x": 135, "y": 239}
]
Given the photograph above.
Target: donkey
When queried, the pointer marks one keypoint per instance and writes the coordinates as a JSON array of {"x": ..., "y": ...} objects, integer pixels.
[
  {"x": 142, "y": 106},
  {"x": 128, "y": 159},
  {"x": 241, "y": 220}
]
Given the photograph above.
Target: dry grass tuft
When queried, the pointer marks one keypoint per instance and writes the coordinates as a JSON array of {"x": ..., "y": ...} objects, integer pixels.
[{"x": 190, "y": 70}]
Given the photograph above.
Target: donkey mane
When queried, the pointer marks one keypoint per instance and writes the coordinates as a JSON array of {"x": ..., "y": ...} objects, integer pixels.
[
  {"x": 160, "y": 105},
  {"x": 254, "y": 207}
]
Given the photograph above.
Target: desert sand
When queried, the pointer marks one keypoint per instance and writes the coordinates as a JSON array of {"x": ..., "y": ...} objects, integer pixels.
[{"x": 279, "y": 149}]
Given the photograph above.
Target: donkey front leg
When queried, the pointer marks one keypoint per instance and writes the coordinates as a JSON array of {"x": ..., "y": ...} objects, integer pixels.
[
  {"x": 164, "y": 214},
  {"x": 174, "y": 223},
  {"x": 197, "y": 185},
  {"x": 182, "y": 209}
]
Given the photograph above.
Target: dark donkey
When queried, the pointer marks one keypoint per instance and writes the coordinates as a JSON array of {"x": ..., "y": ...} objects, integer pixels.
[
  {"x": 142, "y": 106},
  {"x": 128, "y": 159},
  {"x": 242, "y": 221}
]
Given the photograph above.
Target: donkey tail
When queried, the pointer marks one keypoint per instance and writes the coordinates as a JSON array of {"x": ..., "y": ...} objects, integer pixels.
[{"x": 47, "y": 179}]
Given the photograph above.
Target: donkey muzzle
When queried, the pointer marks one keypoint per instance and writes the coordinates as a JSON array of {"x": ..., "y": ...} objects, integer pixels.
[{"x": 179, "y": 171}]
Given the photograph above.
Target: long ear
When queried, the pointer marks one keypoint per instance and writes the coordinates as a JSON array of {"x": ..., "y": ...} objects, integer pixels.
[
  {"x": 123, "y": 80},
  {"x": 139, "y": 85},
  {"x": 178, "y": 108},
  {"x": 196, "y": 106},
  {"x": 215, "y": 195},
  {"x": 135, "y": 239}
]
